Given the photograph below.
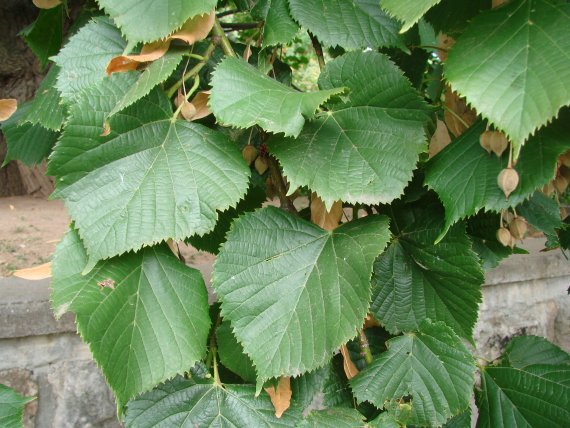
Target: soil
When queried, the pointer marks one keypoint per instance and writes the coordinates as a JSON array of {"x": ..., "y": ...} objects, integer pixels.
[{"x": 30, "y": 228}]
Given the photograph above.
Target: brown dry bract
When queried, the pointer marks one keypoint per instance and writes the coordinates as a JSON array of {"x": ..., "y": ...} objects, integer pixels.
[
  {"x": 193, "y": 30},
  {"x": 7, "y": 108},
  {"x": 439, "y": 140},
  {"x": 280, "y": 397},
  {"x": 350, "y": 369},
  {"x": 34, "y": 273},
  {"x": 46, "y": 4},
  {"x": 328, "y": 220}
]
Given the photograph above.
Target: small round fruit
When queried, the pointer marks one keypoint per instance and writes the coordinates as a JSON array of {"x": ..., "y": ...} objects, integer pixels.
[
  {"x": 504, "y": 236},
  {"x": 261, "y": 165},
  {"x": 508, "y": 180},
  {"x": 518, "y": 227},
  {"x": 249, "y": 154}
]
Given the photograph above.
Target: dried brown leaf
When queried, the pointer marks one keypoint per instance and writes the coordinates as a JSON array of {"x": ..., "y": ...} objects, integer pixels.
[
  {"x": 280, "y": 397},
  {"x": 444, "y": 43},
  {"x": 34, "y": 273},
  {"x": 439, "y": 140},
  {"x": 149, "y": 52},
  {"x": 458, "y": 117},
  {"x": 8, "y": 107},
  {"x": 350, "y": 369},
  {"x": 195, "y": 29},
  {"x": 46, "y": 4},
  {"x": 370, "y": 321},
  {"x": 328, "y": 220}
]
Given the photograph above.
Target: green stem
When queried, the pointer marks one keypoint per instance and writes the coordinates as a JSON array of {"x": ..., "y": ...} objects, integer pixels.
[
  {"x": 216, "y": 373},
  {"x": 195, "y": 56},
  {"x": 222, "y": 39},
  {"x": 365, "y": 347},
  {"x": 188, "y": 94},
  {"x": 192, "y": 72}
]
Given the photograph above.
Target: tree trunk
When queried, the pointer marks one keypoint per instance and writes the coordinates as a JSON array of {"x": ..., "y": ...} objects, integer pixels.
[{"x": 19, "y": 77}]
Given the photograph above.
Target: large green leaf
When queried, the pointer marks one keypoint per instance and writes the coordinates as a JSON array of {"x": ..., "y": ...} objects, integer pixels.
[
  {"x": 83, "y": 60},
  {"x": 524, "y": 351},
  {"x": 157, "y": 72},
  {"x": 351, "y": 24},
  {"x": 151, "y": 179},
  {"x": 364, "y": 149},
  {"x": 512, "y": 65},
  {"x": 149, "y": 20},
  {"x": 47, "y": 109},
  {"x": 415, "y": 279},
  {"x": 339, "y": 417},
  {"x": 202, "y": 403},
  {"x": 482, "y": 230},
  {"x": 293, "y": 292},
  {"x": 279, "y": 28},
  {"x": 242, "y": 96},
  {"x": 432, "y": 367},
  {"x": 26, "y": 142},
  {"x": 408, "y": 11},
  {"x": 45, "y": 34},
  {"x": 12, "y": 407},
  {"x": 144, "y": 315},
  {"x": 536, "y": 396},
  {"x": 464, "y": 175},
  {"x": 232, "y": 355}
]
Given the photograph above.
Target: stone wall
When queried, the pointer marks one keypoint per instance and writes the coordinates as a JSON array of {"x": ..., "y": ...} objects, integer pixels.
[{"x": 44, "y": 357}]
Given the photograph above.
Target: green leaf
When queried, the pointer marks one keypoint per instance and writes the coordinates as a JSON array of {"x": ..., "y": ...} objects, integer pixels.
[
  {"x": 45, "y": 35},
  {"x": 351, "y": 24},
  {"x": 407, "y": 11},
  {"x": 323, "y": 386},
  {"x": 415, "y": 279},
  {"x": 365, "y": 149},
  {"x": 512, "y": 65},
  {"x": 339, "y": 417},
  {"x": 524, "y": 351},
  {"x": 242, "y": 96},
  {"x": 151, "y": 179},
  {"x": 534, "y": 397},
  {"x": 232, "y": 355},
  {"x": 84, "y": 58},
  {"x": 211, "y": 241},
  {"x": 542, "y": 213},
  {"x": 12, "y": 407},
  {"x": 462, "y": 420},
  {"x": 202, "y": 403},
  {"x": 278, "y": 277},
  {"x": 47, "y": 109},
  {"x": 385, "y": 420},
  {"x": 144, "y": 315},
  {"x": 28, "y": 143},
  {"x": 482, "y": 229},
  {"x": 279, "y": 28},
  {"x": 464, "y": 175},
  {"x": 157, "y": 72},
  {"x": 431, "y": 366},
  {"x": 149, "y": 20},
  {"x": 451, "y": 16}
]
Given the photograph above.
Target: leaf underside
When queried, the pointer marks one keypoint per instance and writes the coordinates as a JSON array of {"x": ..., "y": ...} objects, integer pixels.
[
  {"x": 512, "y": 65},
  {"x": 242, "y": 96},
  {"x": 351, "y": 24},
  {"x": 363, "y": 150}
]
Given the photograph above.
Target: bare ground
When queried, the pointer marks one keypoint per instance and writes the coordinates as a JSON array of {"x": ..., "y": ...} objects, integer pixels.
[{"x": 30, "y": 228}]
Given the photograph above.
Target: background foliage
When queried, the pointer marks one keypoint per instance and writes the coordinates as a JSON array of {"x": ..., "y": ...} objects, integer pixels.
[{"x": 409, "y": 145}]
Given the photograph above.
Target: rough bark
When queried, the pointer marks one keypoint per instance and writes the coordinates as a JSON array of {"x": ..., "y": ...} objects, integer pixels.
[{"x": 19, "y": 78}]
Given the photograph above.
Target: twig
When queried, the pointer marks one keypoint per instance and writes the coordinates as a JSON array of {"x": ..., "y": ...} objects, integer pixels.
[
  {"x": 318, "y": 50},
  {"x": 227, "y": 12},
  {"x": 364, "y": 347},
  {"x": 192, "y": 72},
  {"x": 279, "y": 183},
  {"x": 240, "y": 25},
  {"x": 222, "y": 40}
]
